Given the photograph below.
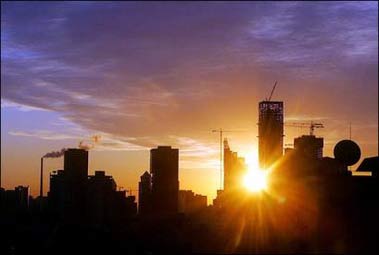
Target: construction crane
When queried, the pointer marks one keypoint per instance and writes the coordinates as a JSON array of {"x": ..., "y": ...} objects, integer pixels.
[
  {"x": 221, "y": 131},
  {"x": 272, "y": 92},
  {"x": 312, "y": 125}
]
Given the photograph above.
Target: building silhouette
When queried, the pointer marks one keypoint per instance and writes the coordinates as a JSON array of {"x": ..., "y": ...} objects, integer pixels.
[
  {"x": 189, "y": 202},
  {"x": 106, "y": 205},
  {"x": 68, "y": 187},
  {"x": 125, "y": 206},
  {"x": 16, "y": 200},
  {"x": 76, "y": 198},
  {"x": 99, "y": 198},
  {"x": 164, "y": 166},
  {"x": 144, "y": 194},
  {"x": 75, "y": 174},
  {"x": 270, "y": 132},
  {"x": 76, "y": 165},
  {"x": 309, "y": 146},
  {"x": 234, "y": 168},
  {"x": 370, "y": 164},
  {"x": 57, "y": 192},
  {"x": 316, "y": 206}
]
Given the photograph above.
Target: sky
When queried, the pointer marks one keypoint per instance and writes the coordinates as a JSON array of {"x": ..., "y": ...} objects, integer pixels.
[{"x": 142, "y": 74}]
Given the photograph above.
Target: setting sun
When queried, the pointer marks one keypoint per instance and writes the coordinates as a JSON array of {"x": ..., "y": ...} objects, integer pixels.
[{"x": 256, "y": 180}]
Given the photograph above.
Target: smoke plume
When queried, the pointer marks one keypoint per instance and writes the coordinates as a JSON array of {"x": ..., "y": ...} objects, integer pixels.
[
  {"x": 55, "y": 154},
  {"x": 88, "y": 146},
  {"x": 85, "y": 146}
]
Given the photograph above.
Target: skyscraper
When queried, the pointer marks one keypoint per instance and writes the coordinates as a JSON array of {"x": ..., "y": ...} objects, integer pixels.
[
  {"x": 164, "y": 165},
  {"x": 270, "y": 132},
  {"x": 76, "y": 164},
  {"x": 75, "y": 174},
  {"x": 234, "y": 168},
  {"x": 144, "y": 194}
]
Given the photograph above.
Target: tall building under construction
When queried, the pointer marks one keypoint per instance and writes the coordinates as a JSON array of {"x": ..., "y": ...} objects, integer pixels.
[{"x": 270, "y": 132}]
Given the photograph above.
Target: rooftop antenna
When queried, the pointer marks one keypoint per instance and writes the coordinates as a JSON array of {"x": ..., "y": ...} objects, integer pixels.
[
  {"x": 41, "y": 180},
  {"x": 349, "y": 167},
  {"x": 350, "y": 130}
]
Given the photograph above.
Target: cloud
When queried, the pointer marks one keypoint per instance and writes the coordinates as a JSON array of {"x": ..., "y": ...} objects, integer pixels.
[
  {"x": 21, "y": 107},
  {"x": 106, "y": 143},
  {"x": 193, "y": 154},
  {"x": 151, "y": 70},
  {"x": 43, "y": 134}
]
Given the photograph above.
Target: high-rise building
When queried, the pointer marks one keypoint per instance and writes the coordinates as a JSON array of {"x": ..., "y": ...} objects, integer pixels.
[
  {"x": 76, "y": 164},
  {"x": 144, "y": 194},
  {"x": 234, "y": 168},
  {"x": 75, "y": 174},
  {"x": 101, "y": 188},
  {"x": 164, "y": 165},
  {"x": 270, "y": 132},
  {"x": 309, "y": 145},
  {"x": 57, "y": 192}
]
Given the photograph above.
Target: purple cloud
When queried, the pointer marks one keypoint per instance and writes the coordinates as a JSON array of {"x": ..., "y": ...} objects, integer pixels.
[{"x": 157, "y": 69}]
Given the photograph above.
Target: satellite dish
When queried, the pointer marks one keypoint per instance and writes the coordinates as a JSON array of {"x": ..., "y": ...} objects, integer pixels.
[{"x": 347, "y": 152}]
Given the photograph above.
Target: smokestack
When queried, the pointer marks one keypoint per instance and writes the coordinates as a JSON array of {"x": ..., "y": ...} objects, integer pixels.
[
  {"x": 41, "y": 180},
  {"x": 53, "y": 154}
]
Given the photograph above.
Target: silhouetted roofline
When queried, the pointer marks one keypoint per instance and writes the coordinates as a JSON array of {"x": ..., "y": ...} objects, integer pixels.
[
  {"x": 146, "y": 173},
  {"x": 369, "y": 165},
  {"x": 264, "y": 101}
]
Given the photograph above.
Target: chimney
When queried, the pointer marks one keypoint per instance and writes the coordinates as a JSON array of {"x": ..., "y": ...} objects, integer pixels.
[{"x": 41, "y": 180}]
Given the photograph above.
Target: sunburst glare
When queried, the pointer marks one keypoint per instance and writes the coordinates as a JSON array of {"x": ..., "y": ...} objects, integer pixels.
[{"x": 256, "y": 180}]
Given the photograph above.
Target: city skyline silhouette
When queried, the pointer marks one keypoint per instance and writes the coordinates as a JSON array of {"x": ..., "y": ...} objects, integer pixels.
[{"x": 326, "y": 73}]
